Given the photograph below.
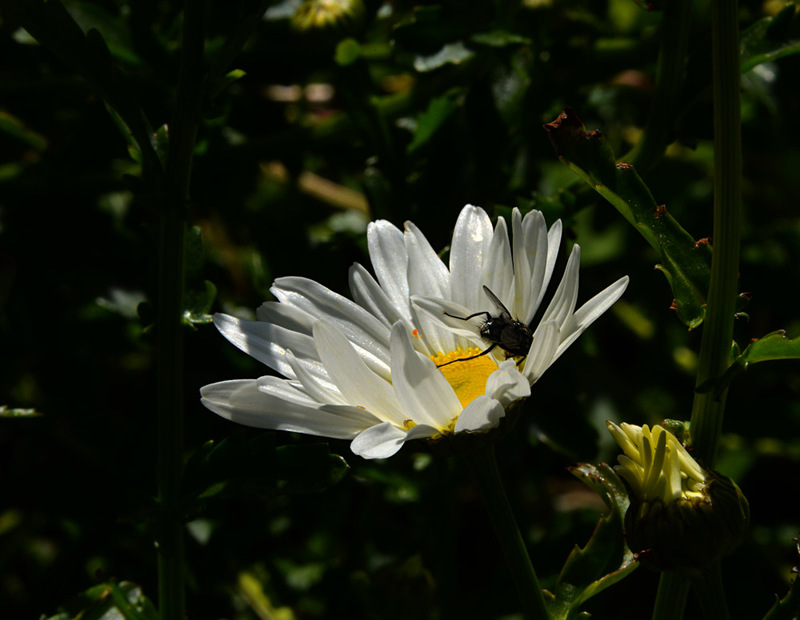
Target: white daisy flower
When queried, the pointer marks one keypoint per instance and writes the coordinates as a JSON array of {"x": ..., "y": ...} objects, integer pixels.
[{"x": 390, "y": 366}]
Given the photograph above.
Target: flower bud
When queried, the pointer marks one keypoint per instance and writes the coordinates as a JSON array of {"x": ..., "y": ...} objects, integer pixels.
[
  {"x": 335, "y": 19},
  {"x": 680, "y": 516}
]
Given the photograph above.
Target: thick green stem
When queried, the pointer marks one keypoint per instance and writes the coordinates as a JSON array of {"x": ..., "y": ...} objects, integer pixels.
[
  {"x": 183, "y": 133},
  {"x": 673, "y": 589},
  {"x": 675, "y": 26},
  {"x": 715, "y": 346},
  {"x": 484, "y": 467},
  {"x": 708, "y": 587}
]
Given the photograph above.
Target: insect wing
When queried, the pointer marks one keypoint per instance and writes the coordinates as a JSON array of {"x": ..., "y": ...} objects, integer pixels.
[{"x": 504, "y": 313}]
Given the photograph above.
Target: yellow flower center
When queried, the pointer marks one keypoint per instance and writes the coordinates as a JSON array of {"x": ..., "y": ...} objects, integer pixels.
[{"x": 467, "y": 377}]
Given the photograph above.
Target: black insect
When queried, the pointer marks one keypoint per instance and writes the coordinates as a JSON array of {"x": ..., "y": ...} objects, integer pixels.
[{"x": 504, "y": 331}]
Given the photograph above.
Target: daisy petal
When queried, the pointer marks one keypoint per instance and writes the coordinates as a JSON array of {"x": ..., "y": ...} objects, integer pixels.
[
  {"x": 266, "y": 342},
  {"x": 242, "y": 402},
  {"x": 423, "y": 391},
  {"x": 370, "y": 296},
  {"x": 470, "y": 247},
  {"x": 481, "y": 414},
  {"x": 359, "y": 326},
  {"x": 589, "y": 312},
  {"x": 498, "y": 274},
  {"x": 359, "y": 385},
  {"x": 563, "y": 303},
  {"x": 427, "y": 274},
  {"x": 387, "y": 252},
  {"x": 543, "y": 351},
  {"x": 535, "y": 230},
  {"x": 447, "y": 312},
  {"x": 286, "y": 316},
  {"x": 522, "y": 273},
  {"x": 507, "y": 384},
  {"x": 384, "y": 440}
]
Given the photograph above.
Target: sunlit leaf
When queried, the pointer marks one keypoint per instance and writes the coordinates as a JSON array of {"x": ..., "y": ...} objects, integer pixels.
[
  {"x": 605, "y": 559},
  {"x": 347, "y": 52},
  {"x": 774, "y": 346},
  {"x": 771, "y": 38},
  {"x": 431, "y": 120},
  {"x": 684, "y": 261},
  {"x": 124, "y": 600},
  {"x": 200, "y": 293},
  {"x": 499, "y": 38},
  {"x": 452, "y": 53},
  {"x": 15, "y": 412}
]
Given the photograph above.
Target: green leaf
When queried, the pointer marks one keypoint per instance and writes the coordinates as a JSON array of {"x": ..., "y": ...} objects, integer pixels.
[
  {"x": 605, "y": 559},
  {"x": 773, "y": 346},
  {"x": 109, "y": 600},
  {"x": 499, "y": 38},
  {"x": 451, "y": 53},
  {"x": 248, "y": 464},
  {"x": 199, "y": 303},
  {"x": 53, "y": 27},
  {"x": 347, "y": 52},
  {"x": 429, "y": 122},
  {"x": 771, "y": 38},
  {"x": 787, "y": 608},
  {"x": 12, "y": 126},
  {"x": 200, "y": 294},
  {"x": 14, "y": 412},
  {"x": 683, "y": 261}
]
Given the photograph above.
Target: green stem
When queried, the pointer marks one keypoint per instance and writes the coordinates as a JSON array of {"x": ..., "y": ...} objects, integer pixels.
[
  {"x": 670, "y": 73},
  {"x": 715, "y": 346},
  {"x": 484, "y": 466},
  {"x": 169, "y": 357},
  {"x": 673, "y": 589},
  {"x": 710, "y": 592}
]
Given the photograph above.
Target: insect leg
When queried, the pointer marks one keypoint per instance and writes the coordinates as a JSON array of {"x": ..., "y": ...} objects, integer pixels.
[
  {"x": 467, "y": 318},
  {"x": 472, "y": 357}
]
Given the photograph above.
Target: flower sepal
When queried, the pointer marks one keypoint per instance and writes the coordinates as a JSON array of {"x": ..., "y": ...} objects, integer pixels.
[{"x": 688, "y": 533}]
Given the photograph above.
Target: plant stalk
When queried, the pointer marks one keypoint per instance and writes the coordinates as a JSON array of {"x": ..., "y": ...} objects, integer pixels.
[
  {"x": 710, "y": 591},
  {"x": 673, "y": 588},
  {"x": 717, "y": 339},
  {"x": 484, "y": 466},
  {"x": 169, "y": 357},
  {"x": 716, "y": 344}
]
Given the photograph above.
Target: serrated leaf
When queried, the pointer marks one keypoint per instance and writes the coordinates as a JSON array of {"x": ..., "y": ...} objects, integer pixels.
[
  {"x": 53, "y": 27},
  {"x": 770, "y": 38},
  {"x": 683, "y": 261},
  {"x": 605, "y": 559},
  {"x": 429, "y": 122},
  {"x": 774, "y": 346},
  {"x": 788, "y": 608}
]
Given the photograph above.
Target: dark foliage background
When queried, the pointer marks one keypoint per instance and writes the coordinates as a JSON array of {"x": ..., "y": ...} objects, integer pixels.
[{"x": 293, "y": 160}]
